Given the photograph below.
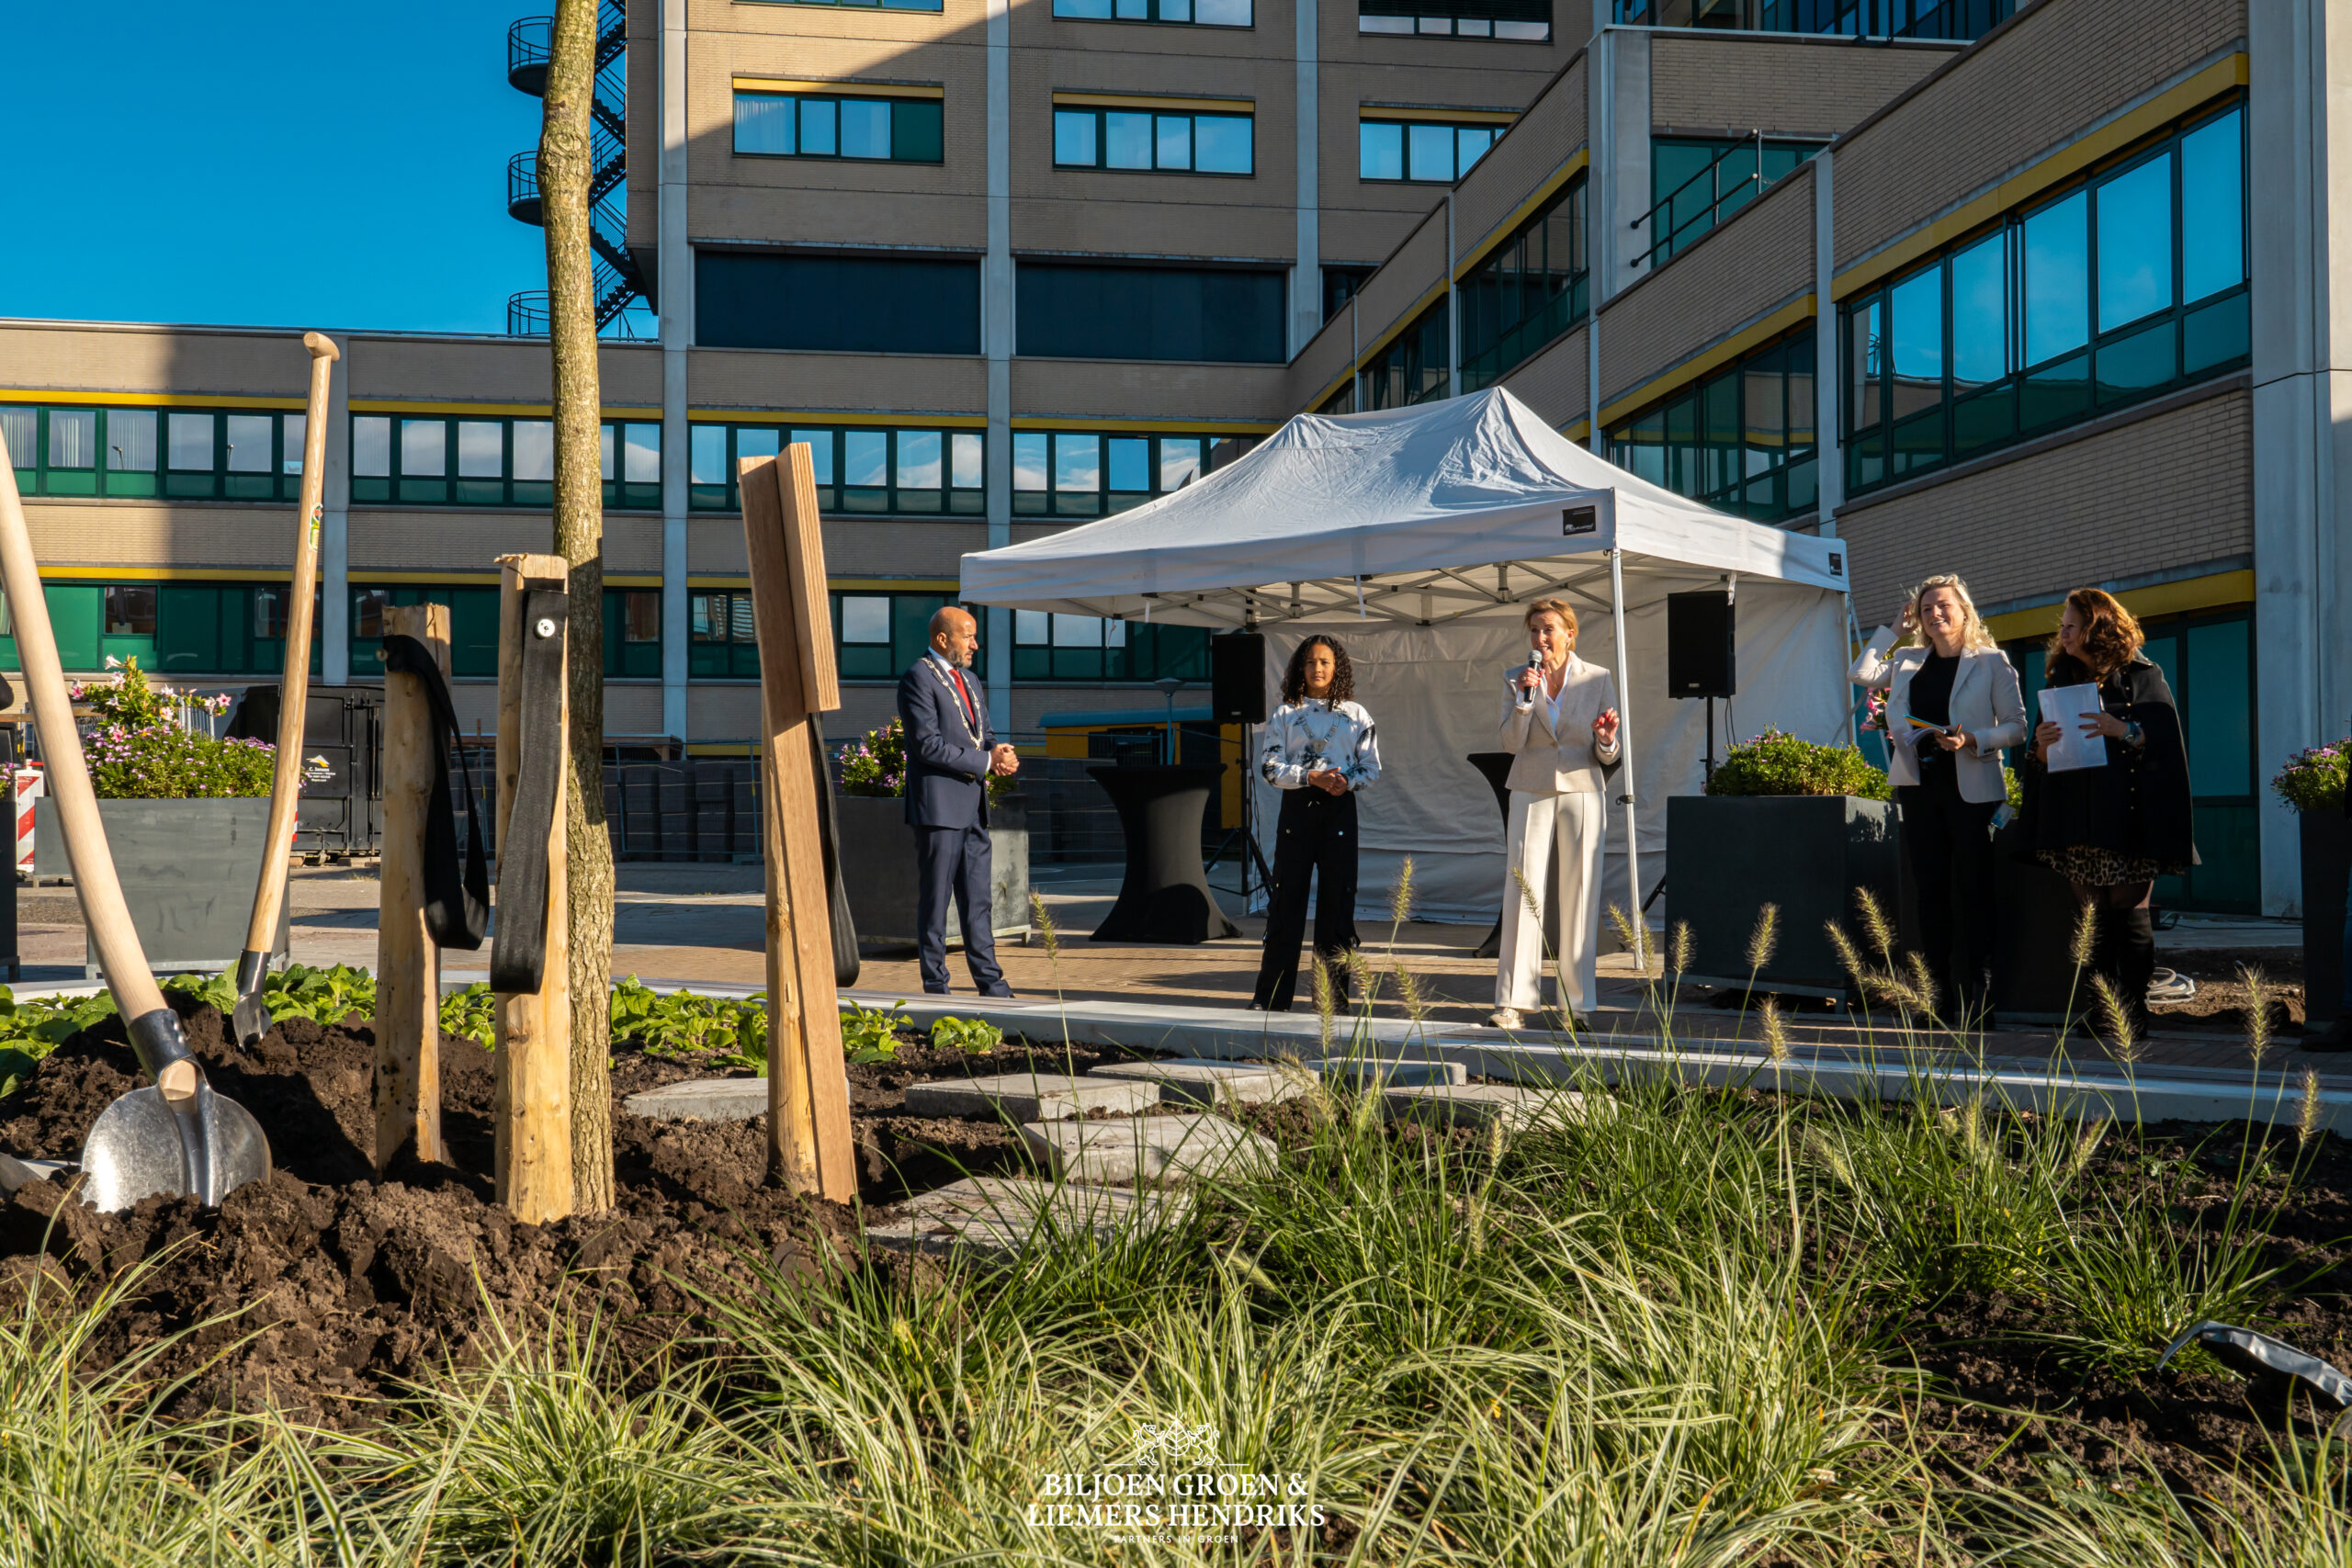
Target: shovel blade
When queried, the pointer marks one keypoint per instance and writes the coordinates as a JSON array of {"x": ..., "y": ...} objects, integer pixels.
[
  {"x": 205, "y": 1146},
  {"x": 252, "y": 1020}
]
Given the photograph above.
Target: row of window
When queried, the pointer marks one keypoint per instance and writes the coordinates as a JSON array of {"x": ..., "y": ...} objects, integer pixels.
[
  {"x": 1958, "y": 20},
  {"x": 1741, "y": 441},
  {"x": 909, "y": 131},
  {"x": 796, "y": 125},
  {"x": 190, "y": 630},
  {"x": 435, "y": 461},
  {"x": 1512, "y": 21},
  {"x": 1081, "y": 474},
  {"x": 1532, "y": 288},
  {"x": 1154, "y": 139},
  {"x": 196, "y": 454},
  {"x": 923, "y": 472},
  {"x": 1425, "y": 152},
  {"x": 1526, "y": 21},
  {"x": 2130, "y": 283},
  {"x": 1695, "y": 184}
]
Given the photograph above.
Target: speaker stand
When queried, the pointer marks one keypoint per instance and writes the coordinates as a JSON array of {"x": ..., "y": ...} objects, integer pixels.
[{"x": 1710, "y": 774}]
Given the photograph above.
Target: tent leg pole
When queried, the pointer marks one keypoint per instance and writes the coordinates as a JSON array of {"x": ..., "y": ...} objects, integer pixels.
[{"x": 1625, "y": 756}]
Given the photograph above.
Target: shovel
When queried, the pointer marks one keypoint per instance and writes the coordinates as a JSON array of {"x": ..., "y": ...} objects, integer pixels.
[
  {"x": 178, "y": 1137},
  {"x": 250, "y": 1019}
]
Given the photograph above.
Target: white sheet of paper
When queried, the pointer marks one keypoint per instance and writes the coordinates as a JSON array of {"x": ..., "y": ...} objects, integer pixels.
[{"x": 2065, "y": 707}]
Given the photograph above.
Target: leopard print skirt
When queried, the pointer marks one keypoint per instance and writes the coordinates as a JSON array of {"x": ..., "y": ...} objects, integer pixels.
[{"x": 2093, "y": 867}]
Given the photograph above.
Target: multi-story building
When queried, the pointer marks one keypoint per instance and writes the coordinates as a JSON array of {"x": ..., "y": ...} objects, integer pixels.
[{"x": 1976, "y": 284}]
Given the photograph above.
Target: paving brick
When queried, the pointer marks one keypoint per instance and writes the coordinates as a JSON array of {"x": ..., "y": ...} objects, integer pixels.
[
  {"x": 1150, "y": 1148},
  {"x": 1029, "y": 1097},
  {"x": 1371, "y": 1073},
  {"x": 702, "y": 1100},
  {"x": 1200, "y": 1081},
  {"x": 998, "y": 1214}
]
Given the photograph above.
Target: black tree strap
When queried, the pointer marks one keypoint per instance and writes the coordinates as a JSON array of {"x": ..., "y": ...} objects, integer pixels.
[
  {"x": 456, "y": 907},
  {"x": 518, "y": 950}
]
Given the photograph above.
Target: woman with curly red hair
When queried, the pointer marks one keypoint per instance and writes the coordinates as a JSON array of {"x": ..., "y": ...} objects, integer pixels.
[{"x": 2112, "y": 830}]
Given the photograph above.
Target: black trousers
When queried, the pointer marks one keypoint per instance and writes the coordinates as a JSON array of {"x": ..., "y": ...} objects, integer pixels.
[
  {"x": 1949, "y": 842},
  {"x": 955, "y": 865},
  {"x": 1315, "y": 837}
]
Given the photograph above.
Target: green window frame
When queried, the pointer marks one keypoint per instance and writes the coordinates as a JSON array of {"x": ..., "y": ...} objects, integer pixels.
[
  {"x": 632, "y": 626},
  {"x": 456, "y": 459},
  {"x": 720, "y": 642},
  {"x": 1532, "y": 290},
  {"x": 1421, "y": 151},
  {"x": 196, "y": 454},
  {"x": 178, "y": 630},
  {"x": 2123, "y": 286},
  {"x": 877, "y": 635},
  {"x": 1094, "y": 473},
  {"x": 1057, "y": 648},
  {"x": 1187, "y": 13},
  {"x": 861, "y": 127},
  {"x": 1742, "y": 440},
  {"x": 1698, "y": 184},
  {"x": 1412, "y": 367},
  {"x": 1957, "y": 20},
  {"x": 862, "y": 471},
  {"x": 1148, "y": 140}
]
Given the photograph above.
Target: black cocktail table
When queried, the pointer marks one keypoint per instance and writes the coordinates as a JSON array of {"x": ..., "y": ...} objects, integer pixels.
[{"x": 1164, "y": 897}]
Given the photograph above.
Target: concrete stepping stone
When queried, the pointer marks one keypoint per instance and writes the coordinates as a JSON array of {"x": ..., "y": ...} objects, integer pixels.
[
  {"x": 1481, "y": 1104},
  {"x": 998, "y": 1214},
  {"x": 1200, "y": 1081},
  {"x": 1150, "y": 1148},
  {"x": 1373, "y": 1072},
  {"x": 1030, "y": 1096},
  {"x": 702, "y": 1100}
]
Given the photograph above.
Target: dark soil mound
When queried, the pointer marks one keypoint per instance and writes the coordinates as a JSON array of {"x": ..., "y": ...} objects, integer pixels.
[{"x": 345, "y": 1283}]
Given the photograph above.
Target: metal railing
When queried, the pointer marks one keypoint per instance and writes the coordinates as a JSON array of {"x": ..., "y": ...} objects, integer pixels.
[{"x": 1748, "y": 186}]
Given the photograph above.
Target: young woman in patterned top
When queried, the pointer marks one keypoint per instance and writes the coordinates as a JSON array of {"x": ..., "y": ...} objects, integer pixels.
[{"x": 1318, "y": 752}]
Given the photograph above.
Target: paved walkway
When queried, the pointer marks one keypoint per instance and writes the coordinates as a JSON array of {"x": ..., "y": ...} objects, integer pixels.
[{"x": 702, "y": 925}]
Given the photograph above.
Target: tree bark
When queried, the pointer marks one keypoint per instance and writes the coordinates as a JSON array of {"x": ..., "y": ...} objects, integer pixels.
[{"x": 565, "y": 161}]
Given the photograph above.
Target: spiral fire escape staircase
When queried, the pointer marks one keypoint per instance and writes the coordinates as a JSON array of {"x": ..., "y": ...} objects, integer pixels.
[{"x": 623, "y": 305}]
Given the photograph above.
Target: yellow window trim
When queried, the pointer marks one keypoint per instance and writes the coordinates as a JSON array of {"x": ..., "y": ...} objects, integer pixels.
[
  {"x": 1558, "y": 181},
  {"x": 163, "y": 574},
  {"x": 1151, "y": 426},
  {"x": 892, "y": 584},
  {"x": 894, "y": 420},
  {"x": 1390, "y": 334},
  {"x": 2191, "y": 594},
  {"x": 56, "y": 398},
  {"x": 488, "y": 410},
  {"x": 701, "y": 579},
  {"x": 1131, "y": 101},
  {"x": 1580, "y": 432},
  {"x": 839, "y": 89},
  {"x": 2221, "y": 77},
  {"x": 1388, "y": 114},
  {"x": 1715, "y": 358}
]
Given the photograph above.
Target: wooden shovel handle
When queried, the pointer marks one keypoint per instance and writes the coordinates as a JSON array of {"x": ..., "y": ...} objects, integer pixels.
[
  {"x": 294, "y": 686},
  {"x": 135, "y": 991}
]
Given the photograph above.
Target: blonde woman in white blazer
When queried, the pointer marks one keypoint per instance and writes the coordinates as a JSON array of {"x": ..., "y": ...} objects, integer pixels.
[
  {"x": 1559, "y": 722},
  {"x": 1952, "y": 707}
]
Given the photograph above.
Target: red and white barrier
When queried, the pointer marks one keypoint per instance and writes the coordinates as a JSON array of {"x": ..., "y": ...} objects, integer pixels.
[{"x": 31, "y": 785}]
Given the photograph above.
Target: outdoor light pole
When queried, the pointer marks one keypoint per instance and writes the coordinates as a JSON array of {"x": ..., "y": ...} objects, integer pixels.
[{"x": 1168, "y": 687}]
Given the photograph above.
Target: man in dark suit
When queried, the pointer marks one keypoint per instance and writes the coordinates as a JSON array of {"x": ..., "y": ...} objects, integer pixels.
[{"x": 944, "y": 711}]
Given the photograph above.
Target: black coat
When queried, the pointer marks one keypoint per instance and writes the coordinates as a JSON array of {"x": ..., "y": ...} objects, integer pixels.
[{"x": 2136, "y": 805}]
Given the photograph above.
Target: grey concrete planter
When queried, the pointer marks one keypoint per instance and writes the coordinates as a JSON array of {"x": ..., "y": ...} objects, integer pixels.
[
  {"x": 2327, "y": 861},
  {"x": 878, "y": 868},
  {"x": 188, "y": 870},
  {"x": 1727, "y": 856}
]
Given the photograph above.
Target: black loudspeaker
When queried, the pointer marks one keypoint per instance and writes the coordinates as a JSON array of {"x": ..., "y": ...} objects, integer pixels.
[
  {"x": 1699, "y": 661},
  {"x": 1238, "y": 678}
]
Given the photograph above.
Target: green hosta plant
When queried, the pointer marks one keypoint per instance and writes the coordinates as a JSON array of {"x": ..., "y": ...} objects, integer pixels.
[
  {"x": 1776, "y": 762},
  {"x": 870, "y": 1035},
  {"x": 30, "y": 1029},
  {"x": 471, "y": 1014},
  {"x": 969, "y": 1034},
  {"x": 683, "y": 1024}
]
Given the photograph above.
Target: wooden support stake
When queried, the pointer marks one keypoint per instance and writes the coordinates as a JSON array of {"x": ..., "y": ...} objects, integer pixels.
[
  {"x": 809, "y": 1135},
  {"x": 533, "y": 1030},
  {"x": 408, "y": 961}
]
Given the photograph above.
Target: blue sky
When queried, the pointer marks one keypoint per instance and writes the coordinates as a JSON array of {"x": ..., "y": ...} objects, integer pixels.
[{"x": 265, "y": 163}]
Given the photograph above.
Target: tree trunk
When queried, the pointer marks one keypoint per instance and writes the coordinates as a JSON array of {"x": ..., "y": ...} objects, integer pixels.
[{"x": 564, "y": 173}]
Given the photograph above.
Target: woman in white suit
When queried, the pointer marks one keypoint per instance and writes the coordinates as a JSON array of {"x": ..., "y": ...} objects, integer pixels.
[
  {"x": 1952, "y": 707},
  {"x": 1560, "y": 724}
]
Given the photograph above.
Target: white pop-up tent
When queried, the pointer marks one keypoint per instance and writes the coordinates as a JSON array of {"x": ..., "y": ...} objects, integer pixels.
[{"x": 1418, "y": 535}]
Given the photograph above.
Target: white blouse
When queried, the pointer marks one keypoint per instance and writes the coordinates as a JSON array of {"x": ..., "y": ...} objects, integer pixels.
[{"x": 1312, "y": 735}]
